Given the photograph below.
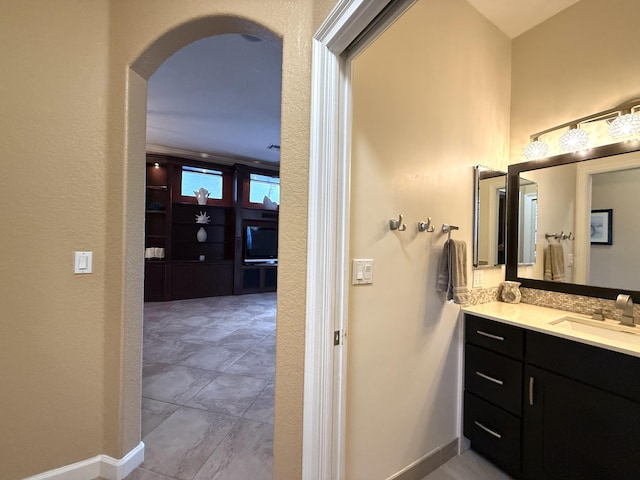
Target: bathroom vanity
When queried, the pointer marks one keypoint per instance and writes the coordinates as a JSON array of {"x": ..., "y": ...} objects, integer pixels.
[{"x": 552, "y": 395}]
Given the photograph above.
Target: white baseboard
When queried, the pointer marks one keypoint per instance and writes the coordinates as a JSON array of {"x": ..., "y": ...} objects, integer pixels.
[{"x": 100, "y": 466}]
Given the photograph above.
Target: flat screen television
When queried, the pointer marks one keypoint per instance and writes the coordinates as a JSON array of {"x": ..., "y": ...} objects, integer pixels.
[{"x": 260, "y": 244}]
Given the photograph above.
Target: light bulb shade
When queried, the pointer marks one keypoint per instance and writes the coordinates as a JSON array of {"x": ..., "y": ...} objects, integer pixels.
[
  {"x": 535, "y": 150},
  {"x": 573, "y": 140},
  {"x": 625, "y": 126}
]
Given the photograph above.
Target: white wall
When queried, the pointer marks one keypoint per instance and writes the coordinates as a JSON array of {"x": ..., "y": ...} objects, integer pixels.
[
  {"x": 428, "y": 104},
  {"x": 616, "y": 265}
]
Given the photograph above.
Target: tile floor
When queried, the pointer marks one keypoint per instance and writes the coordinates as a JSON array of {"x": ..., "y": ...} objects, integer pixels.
[
  {"x": 468, "y": 466},
  {"x": 207, "y": 388}
]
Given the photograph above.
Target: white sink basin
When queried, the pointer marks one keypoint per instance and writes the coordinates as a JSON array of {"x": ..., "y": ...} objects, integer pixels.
[{"x": 606, "y": 329}]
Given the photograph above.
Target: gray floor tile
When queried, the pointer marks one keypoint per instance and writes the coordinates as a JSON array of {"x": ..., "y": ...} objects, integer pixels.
[
  {"x": 468, "y": 466},
  {"x": 154, "y": 413},
  {"x": 152, "y": 371},
  {"x": 141, "y": 474},
  {"x": 258, "y": 362},
  {"x": 214, "y": 358},
  {"x": 440, "y": 474},
  {"x": 245, "y": 337},
  {"x": 206, "y": 335},
  {"x": 187, "y": 344},
  {"x": 177, "y": 384},
  {"x": 155, "y": 350},
  {"x": 183, "y": 443},
  {"x": 261, "y": 410},
  {"x": 246, "y": 453},
  {"x": 230, "y": 394}
]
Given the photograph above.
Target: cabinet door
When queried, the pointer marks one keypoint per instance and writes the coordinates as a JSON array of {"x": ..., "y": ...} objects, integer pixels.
[
  {"x": 574, "y": 431},
  {"x": 154, "y": 281}
]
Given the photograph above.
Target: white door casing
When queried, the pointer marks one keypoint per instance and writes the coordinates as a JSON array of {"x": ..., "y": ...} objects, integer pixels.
[{"x": 328, "y": 236}]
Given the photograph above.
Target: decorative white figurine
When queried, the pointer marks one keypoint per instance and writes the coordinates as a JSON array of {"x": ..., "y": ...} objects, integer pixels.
[
  {"x": 201, "y": 195},
  {"x": 202, "y": 217}
]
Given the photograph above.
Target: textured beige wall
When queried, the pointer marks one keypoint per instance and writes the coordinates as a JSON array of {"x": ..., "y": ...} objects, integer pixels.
[
  {"x": 428, "y": 104},
  {"x": 73, "y": 145},
  {"x": 52, "y": 189},
  {"x": 579, "y": 62}
]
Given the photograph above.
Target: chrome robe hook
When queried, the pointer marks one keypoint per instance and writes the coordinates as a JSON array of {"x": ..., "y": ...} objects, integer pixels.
[
  {"x": 426, "y": 227},
  {"x": 397, "y": 224}
]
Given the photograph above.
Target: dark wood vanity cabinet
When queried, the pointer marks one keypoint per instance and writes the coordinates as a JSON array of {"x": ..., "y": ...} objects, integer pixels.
[
  {"x": 581, "y": 411},
  {"x": 579, "y": 415},
  {"x": 493, "y": 391}
]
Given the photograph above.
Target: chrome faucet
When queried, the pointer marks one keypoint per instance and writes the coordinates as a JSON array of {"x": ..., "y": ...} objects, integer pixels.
[{"x": 624, "y": 303}]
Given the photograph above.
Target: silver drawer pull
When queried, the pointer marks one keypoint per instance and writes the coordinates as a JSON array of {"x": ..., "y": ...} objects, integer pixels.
[
  {"x": 488, "y": 430},
  {"x": 491, "y": 379},
  {"x": 490, "y": 335},
  {"x": 531, "y": 382}
]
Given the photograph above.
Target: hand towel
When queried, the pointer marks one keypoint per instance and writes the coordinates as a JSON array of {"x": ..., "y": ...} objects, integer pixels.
[
  {"x": 554, "y": 262},
  {"x": 452, "y": 272}
]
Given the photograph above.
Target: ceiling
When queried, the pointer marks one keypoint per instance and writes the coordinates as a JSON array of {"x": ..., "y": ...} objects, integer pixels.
[
  {"x": 515, "y": 17},
  {"x": 218, "y": 99}
]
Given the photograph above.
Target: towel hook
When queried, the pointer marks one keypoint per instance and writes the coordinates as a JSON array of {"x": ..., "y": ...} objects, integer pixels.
[
  {"x": 397, "y": 224},
  {"x": 426, "y": 227}
]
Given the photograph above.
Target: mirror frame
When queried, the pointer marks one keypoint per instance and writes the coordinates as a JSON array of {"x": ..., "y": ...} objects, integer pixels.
[{"x": 513, "y": 188}]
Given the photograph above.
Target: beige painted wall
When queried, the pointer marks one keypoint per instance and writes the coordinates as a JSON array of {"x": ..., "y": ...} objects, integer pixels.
[
  {"x": 428, "y": 104},
  {"x": 582, "y": 61},
  {"x": 52, "y": 189},
  {"x": 73, "y": 145}
]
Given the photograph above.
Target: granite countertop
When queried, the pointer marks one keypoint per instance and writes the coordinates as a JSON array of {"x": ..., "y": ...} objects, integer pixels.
[{"x": 541, "y": 319}]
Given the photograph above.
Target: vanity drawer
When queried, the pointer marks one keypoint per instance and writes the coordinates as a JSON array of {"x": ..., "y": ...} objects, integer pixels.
[
  {"x": 493, "y": 433},
  {"x": 494, "y": 378},
  {"x": 498, "y": 337}
]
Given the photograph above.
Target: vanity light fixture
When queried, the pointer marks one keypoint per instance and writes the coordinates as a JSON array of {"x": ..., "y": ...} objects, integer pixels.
[
  {"x": 625, "y": 127},
  {"x": 618, "y": 124},
  {"x": 536, "y": 149},
  {"x": 574, "y": 139}
]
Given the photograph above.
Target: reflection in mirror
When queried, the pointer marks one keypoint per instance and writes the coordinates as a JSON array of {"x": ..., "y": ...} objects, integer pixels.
[
  {"x": 529, "y": 225},
  {"x": 618, "y": 263},
  {"x": 561, "y": 251},
  {"x": 489, "y": 217}
]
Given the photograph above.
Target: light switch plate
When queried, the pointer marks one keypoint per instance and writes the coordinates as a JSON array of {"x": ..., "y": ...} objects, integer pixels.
[
  {"x": 477, "y": 278},
  {"x": 83, "y": 262},
  {"x": 362, "y": 271}
]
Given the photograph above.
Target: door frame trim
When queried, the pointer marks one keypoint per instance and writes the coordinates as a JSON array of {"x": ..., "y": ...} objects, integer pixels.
[{"x": 328, "y": 243}]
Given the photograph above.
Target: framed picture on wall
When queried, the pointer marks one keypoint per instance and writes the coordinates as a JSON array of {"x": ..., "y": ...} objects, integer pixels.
[{"x": 601, "y": 227}]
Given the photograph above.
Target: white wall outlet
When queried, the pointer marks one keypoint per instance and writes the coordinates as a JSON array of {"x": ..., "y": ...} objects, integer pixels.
[
  {"x": 362, "y": 271},
  {"x": 83, "y": 262}
]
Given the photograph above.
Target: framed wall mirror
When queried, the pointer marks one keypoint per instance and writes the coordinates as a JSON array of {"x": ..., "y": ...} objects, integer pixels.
[
  {"x": 489, "y": 217},
  {"x": 553, "y": 230}
]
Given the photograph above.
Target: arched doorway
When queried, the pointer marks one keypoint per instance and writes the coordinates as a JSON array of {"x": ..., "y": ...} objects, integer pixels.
[
  {"x": 208, "y": 350},
  {"x": 126, "y": 433}
]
